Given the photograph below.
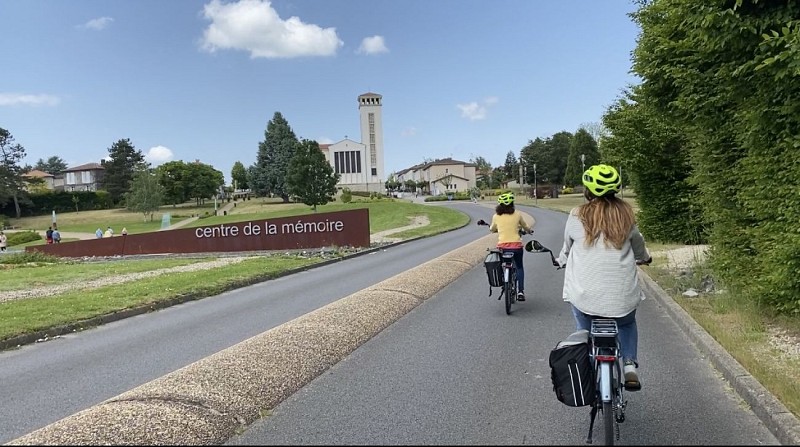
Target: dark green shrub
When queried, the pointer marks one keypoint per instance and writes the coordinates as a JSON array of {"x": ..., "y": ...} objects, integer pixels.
[
  {"x": 22, "y": 237},
  {"x": 347, "y": 195},
  {"x": 32, "y": 258}
]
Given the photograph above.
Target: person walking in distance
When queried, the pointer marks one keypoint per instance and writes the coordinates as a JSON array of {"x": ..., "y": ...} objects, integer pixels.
[
  {"x": 507, "y": 222},
  {"x": 602, "y": 245},
  {"x": 98, "y": 234},
  {"x": 56, "y": 236},
  {"x": 49, "y": 235},
  {"x": 3, "y": 241}
]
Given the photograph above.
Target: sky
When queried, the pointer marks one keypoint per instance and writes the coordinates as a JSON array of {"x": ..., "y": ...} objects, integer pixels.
[{"x": 200, "y": 79}]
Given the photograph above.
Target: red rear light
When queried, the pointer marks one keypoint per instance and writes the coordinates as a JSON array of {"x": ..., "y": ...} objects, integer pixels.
[{"x": 605, "y": 358}]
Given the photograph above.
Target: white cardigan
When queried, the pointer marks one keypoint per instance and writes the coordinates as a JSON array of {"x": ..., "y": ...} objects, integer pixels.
[{"x": 600, "y": 280}]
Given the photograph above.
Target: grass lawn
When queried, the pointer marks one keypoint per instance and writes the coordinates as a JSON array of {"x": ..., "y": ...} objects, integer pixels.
[{"x": 30, "y": 315}]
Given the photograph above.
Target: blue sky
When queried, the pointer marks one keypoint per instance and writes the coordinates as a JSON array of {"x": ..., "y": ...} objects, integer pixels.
[{"x": 200, "y": 79}]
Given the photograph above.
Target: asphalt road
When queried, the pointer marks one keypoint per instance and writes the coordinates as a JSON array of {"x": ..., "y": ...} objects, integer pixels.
[{"x": 456, "y": 370}]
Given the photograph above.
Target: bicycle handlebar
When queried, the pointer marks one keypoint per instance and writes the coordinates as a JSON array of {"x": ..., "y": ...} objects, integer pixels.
[{"x": 520, "y": 231}]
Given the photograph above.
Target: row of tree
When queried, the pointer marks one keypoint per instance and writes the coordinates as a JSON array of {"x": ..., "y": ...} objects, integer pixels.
[
  {"x": 128, "y": 178},
  {"x": 711, "y": 137},
  {"x": 556, "y": 160}
]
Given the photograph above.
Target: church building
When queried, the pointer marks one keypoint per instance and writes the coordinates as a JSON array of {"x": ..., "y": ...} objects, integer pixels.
[{"x": 360, "y": 164}]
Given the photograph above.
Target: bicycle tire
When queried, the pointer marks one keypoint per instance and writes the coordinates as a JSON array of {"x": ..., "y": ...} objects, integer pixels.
[
  {"x": 608, "y": 423},
  {"x": 511, "y": 291}
]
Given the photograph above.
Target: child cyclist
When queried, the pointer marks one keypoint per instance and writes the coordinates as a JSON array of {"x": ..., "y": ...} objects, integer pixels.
[
  {"x": 507, "y": 222},
  {"x": 602, "y": 246}
]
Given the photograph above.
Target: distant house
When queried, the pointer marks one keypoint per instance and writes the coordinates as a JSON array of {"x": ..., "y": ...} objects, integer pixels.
[
  {"x": 47, "y": 180},
  {"x": 443, "y": 175},
  {"x": 88, "y": 177}
]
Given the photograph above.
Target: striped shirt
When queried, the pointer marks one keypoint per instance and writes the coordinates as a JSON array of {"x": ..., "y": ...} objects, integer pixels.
[{"x": 601, "y": 280}]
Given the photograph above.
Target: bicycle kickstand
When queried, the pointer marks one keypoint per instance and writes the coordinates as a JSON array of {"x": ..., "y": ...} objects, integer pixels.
[{"x": 591, "y": 423}]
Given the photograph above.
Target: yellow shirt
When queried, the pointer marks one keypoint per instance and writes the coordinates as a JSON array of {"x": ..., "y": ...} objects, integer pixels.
[{"x": 507, "y": 228}]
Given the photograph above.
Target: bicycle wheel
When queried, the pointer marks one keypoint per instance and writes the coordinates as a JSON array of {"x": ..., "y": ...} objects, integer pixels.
[
  {"x": 608, "y": 422},
  {"x": 511, "y": 291}
]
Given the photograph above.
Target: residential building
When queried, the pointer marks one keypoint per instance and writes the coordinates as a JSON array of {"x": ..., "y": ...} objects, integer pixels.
[
  {"x": 443, "y": 175},
  {"x": 47, "y": 180},
  {"x": 87, "y": 177}
]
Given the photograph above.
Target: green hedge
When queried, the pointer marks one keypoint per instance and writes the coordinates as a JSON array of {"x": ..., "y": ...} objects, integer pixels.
[
  {"x": 21, "y": 237},
  {"x": 62, "y": 201}
]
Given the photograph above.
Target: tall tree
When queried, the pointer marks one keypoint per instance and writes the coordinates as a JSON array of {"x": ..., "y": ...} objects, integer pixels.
[
  {"x": 310, "y": 177},
  {"x": 54, "y": 165},
  {"x": 597, "y": 130},
  {"x": 550, "y": 157},
  {"x": 174, "y": 177},
  {"x": 146, "y": 194},
  {"x": 511, "y": 167},
  {"x": 558, "y": 146},
  {"x": 483, "y": 169},
  {"x": 582, "y": 145},
  {"x": 11, "y": 182},
  {"x": 123, "y": 160},
  {"x": 239, "y": 176},
  {"x": 268, "y": 174},
  {"x": 203, "y": 181}
]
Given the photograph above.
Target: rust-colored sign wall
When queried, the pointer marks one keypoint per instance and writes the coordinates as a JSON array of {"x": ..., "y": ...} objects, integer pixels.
[{"x": 340, "y": 229}]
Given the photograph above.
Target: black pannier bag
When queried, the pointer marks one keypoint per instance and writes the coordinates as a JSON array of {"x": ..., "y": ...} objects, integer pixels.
[
  {"x": 494, "y": 269},
  {"x": 571, "y": 370}
]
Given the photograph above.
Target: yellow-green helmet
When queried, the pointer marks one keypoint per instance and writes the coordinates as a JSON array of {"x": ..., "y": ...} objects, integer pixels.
[
  {"x": 505, "y": 199},
  {"x": 601, "y": 180}
]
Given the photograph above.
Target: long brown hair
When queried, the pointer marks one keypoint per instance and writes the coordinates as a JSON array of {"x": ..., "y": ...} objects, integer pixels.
[
  {"x": 504, "y": 209},
  {"x": 608, "y": 215}
]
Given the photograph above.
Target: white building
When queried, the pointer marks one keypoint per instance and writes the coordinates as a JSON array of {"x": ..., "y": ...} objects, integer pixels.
[{"x": 361, "y": 164}]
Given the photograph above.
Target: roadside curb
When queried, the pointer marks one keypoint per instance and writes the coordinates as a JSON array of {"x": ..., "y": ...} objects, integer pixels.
[{"x": 775, "y": 416}]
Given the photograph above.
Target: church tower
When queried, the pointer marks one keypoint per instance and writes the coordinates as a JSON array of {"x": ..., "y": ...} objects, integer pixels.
[{"x": 369, "y": 108}]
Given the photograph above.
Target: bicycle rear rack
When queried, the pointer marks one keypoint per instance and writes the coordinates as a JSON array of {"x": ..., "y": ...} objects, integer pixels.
[{"x": 604, "y": 332}]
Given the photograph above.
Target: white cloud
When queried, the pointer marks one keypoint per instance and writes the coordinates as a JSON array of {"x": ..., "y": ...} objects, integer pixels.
[
  {"x": 158, "y": 155},
  {"x": 372, "y": 45},
  {"x": 254, "y": 26},
  {"x": 13, "y": 99},
  {"x": 474, "y": 111},
  {"x": 408, "y": 132},
  {"x": 98, "y": 23}
]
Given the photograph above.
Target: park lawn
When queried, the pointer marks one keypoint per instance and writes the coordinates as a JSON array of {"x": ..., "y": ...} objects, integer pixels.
[
  {"x": 384, "y": 214},
  {"x": 26, "y": 316},
  {"x": 25, "y": 276},
  {"x": 89, "y": 221}
]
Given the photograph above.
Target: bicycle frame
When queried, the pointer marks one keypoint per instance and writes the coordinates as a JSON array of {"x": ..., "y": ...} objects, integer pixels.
[{"x": 606, "y": 357}]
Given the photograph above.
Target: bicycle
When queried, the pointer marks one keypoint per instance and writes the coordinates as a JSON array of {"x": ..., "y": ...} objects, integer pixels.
[
  {"x": 509, "y": 269},
  {"x": 605, "y": 357}
]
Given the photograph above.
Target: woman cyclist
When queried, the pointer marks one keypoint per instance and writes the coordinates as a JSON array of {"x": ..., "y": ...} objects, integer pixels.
[
  {"x": 507, "y": 222},
  {"x": 602, "y": 245}
]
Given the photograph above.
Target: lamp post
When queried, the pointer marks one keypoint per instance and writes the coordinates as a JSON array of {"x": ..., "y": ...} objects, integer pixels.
[
  {"x": 535, "y": 188},
  {"x": 583, "y": 168}
]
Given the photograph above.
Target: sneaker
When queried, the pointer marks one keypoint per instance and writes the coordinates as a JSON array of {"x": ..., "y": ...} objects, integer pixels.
[
  {"x": 520, "y": 296},
  {"x": 631, "y": 376}
]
